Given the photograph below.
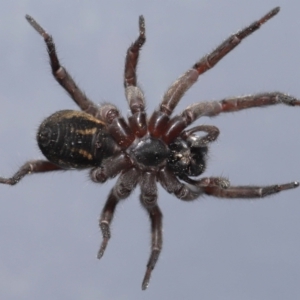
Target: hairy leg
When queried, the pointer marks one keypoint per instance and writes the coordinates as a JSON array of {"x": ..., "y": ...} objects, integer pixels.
[
  {"x": 111, "y": 167},
  {"x": 148, "y": 200},
  {"x": 220, "y": 187},
  {"x": 134, "y": 95},
  {"x": 160, "y": 118},
  {"x": 61, "y": 75},
  {"x": 31, "y": 167},
  {"x": 214, "y": 108},
  {"x": 124, "y": 186},
  {"x": 172, "y": 185}
]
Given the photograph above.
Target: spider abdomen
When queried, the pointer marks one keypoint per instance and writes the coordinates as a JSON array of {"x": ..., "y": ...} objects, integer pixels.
[{"x": 73, "y": 139}]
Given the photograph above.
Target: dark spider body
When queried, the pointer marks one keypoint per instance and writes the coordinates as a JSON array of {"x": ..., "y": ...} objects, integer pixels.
[
  {"x": 75, "y": 140},
  {"x": 142, "y": 150},
  {"x": 149, "y": 153}
]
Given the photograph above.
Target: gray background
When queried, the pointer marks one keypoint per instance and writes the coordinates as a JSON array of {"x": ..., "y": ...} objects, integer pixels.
[{"x": 213, "y": 249}]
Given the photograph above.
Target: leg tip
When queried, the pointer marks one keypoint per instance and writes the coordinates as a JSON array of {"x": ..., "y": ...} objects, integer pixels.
[
  {"x": 101, "y": 250},
  {"x": 145, "y": 285},
  {"x": 296, "y": 184},
  {"x": 146, "y": 280},
  {"x": 100, "y": 253}
]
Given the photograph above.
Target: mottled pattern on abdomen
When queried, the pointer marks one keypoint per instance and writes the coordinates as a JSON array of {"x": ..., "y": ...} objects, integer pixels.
[{"x": 74, "y": 139}]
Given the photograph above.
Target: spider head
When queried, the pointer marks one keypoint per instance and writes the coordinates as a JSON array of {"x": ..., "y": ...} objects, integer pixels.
[{"x": 187, "y": 156}]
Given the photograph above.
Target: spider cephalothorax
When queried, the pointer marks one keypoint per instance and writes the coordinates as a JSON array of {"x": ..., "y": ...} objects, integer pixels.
[{"x": 144, "y": 151}]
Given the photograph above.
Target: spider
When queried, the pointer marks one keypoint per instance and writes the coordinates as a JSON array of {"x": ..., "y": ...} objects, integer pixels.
[{"x": 141, "y": 150}]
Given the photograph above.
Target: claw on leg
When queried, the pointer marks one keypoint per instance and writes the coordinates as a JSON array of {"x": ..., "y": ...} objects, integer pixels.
[{"x": 106, "y": 236}]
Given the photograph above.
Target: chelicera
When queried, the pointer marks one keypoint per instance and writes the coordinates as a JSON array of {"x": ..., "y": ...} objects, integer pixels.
[{"x": 142, "y": 150}]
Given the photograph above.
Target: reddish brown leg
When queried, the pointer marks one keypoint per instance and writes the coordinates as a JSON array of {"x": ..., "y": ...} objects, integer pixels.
[
  {"x": 210, "y": 109},
  {"x": 124, "y": 186},
  {"x": 155, "y": 216},
  {"x": 220, "y": 187},
  {"x": 173, "y": 186},
  {"x": 116, "y": 125},
  {"x": 134, "y": 94},
  {"x": 61, "y": 75},
  {"x": 132, "y": 56},
  {"x": 30, "y": 167},
  {"x": 181, "y": 85},
  {"x": 158, "y": 123},
  {"x": 212, "y": 134},
  {"x": 148, "y": 199},
  {"x": 174, "y": 127},
  {"x": 111, "y": 167},
  {"x": 247, "y": 192}
]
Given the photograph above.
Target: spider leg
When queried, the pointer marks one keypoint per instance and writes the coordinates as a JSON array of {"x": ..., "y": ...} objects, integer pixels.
[
  {"x": 212, "y": 134},
  {"x": 155, "y": 216},
  {"x": 148, "y": 199},
  {"x": 205, "y": 182},
  {"x": 183, "y": 83},
  {"x": 134, "y": 94},
  {"x": 116, "y": 125},
  {"x": 111, "y": 167},
  {"x": 172, "y": 185},
  {"x": 132, "y": 56},
  {"x": 124, "y": 186},
  {"x": 220, "y": 187},
  {"x": 60, "y": 73},
  {"x": 30, "y": 167},
  {"x": 213, "y": 108},
  {"x": 148, "y": 189}
]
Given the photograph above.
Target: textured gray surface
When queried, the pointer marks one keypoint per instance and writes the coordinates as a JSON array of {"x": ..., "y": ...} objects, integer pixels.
[{"x": 213, "y": 249}]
